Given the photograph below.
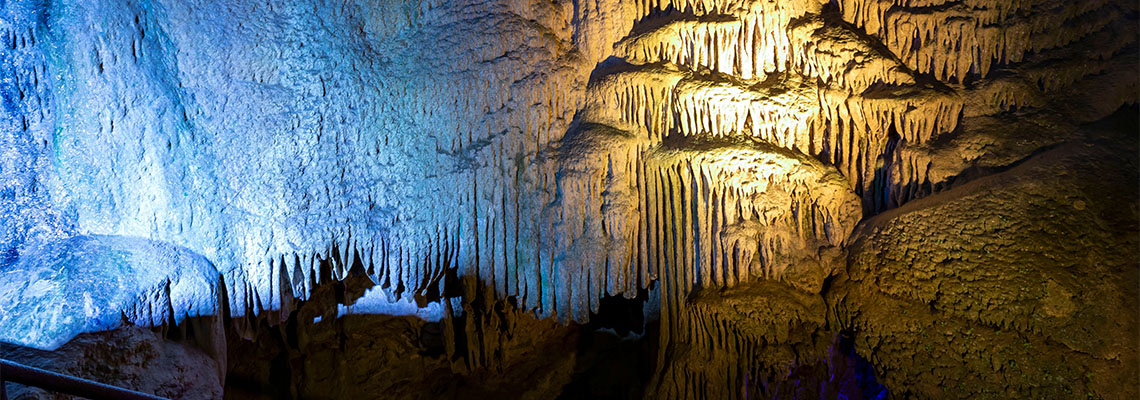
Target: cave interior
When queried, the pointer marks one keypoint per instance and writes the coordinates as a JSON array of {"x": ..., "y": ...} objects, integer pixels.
[{"x": 572, "y": 199}]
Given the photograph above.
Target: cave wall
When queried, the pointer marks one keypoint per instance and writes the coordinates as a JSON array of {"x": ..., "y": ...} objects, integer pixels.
[{"x": 540, "y": 156}]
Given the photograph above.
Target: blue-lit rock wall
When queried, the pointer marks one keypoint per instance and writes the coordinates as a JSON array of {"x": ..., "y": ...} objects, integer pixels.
[
  {"x": 27, "y": 125},
  {"x": 266, "y": 136}
]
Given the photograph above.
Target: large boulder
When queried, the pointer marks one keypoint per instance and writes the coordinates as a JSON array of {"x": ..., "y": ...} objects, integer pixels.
[{"x": 1019, "y": 284}]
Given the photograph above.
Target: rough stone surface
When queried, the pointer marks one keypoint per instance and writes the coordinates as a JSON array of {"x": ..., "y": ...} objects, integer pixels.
[
  {"x": 129, "y": 357},
  {"x": 317, "y": 355},
  {"x": 1023, "y": 283},
  {"x": 95, "y": 283},
  {"x": 946, "y": 186}
]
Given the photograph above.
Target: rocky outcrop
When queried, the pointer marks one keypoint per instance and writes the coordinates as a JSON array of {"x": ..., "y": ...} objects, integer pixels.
[{"x": 1021, "y": 283}]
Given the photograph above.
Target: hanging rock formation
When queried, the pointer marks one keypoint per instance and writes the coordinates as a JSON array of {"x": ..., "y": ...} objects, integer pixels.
[{"x": 761, "y": 180}]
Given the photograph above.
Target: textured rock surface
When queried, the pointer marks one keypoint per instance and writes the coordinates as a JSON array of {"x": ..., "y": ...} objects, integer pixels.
[
  {"x": 1023, "y": 283},
  {"x": 760, "y": 340},
  {"x": 317, "y": 355},
  {"x": 94, "y": 283},
  {"x": 504, "y": 163},
  {"x": 128, "y": 357}
]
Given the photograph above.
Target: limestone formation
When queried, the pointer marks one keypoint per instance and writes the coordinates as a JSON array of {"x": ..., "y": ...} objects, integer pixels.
[
  {"x": 749, "y": 194},
  {"x": 130, "y": 357}
]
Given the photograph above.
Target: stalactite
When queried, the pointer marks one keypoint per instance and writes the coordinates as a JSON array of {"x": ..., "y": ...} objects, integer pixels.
[
  {"x": 752, "y": 46},
  {"x": 955, "y": 40},
  {"x": 747, "y": 212},
  {"x": 849, "y": 131},
  {"x": 530, "y": 159}
]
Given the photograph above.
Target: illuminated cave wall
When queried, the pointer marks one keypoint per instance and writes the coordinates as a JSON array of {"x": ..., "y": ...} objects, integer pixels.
[{"x": 549, "y": 154}]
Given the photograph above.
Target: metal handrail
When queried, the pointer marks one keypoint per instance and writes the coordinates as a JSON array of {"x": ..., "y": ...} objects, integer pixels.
[{"x": 66, "y": 384}]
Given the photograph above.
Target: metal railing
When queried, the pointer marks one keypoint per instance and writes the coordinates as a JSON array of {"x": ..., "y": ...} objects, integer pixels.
[{"x": 66, "y": 384}]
